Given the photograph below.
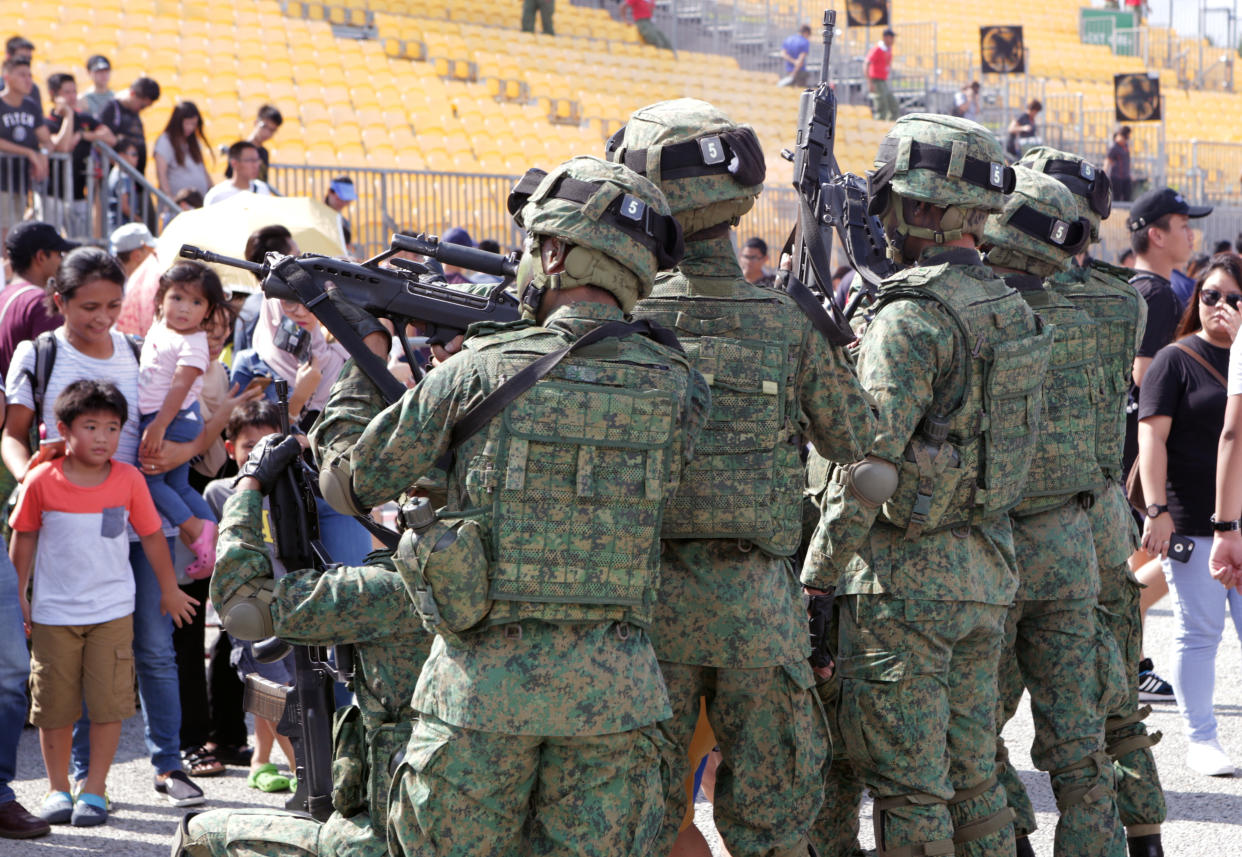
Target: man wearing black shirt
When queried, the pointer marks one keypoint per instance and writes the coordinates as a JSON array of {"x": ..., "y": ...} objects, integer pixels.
[
  {"x": 19, "y": 47},
  {"x": 74, "y": 132},
  {"x": 121, "y": 116},
  {"x": 1160, "y": 235},
  {"x": 23, "y": 134},
  {"x": 1022, "y": 128}
]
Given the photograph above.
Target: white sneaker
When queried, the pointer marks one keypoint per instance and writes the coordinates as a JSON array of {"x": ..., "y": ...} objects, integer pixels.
[{"x": 1207, "y": 758}]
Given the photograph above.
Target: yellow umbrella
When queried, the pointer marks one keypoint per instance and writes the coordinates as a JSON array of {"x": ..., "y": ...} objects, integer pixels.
[{"x": 225, "y": 226}]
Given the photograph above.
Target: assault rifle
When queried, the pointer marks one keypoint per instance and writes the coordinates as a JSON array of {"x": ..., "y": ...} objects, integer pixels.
[
  {"x": 829, "y": 200},
  {"x": 409, "y": 292},
  {"x": 303, "y": 711}
]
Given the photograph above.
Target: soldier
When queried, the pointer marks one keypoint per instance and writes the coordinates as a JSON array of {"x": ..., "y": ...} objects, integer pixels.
[
  {"x": 730, "y": 623},
  {"x": 1055, "y": 646},
  {"x": 539, "y": 701},
  {"x": 1120, "y": 315},
  {"x": 918, "y": 543},
  {"x": 366, "y": 605}
]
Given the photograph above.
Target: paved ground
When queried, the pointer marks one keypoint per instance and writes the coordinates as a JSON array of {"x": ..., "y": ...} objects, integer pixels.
[{"x": 1205, "y": 814}]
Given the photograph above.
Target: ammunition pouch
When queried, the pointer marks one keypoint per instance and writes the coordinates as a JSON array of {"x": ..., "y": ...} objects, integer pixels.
[
  {"x": 927, "y": 485},
  {"x": 445, "y": 571},
  {"x": 361, "y": 765}
]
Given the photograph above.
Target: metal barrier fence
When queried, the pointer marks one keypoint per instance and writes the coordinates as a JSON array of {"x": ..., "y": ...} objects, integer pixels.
[
  {"x": 48, "y": 198},
  {"x": 1223, "y": 224}
]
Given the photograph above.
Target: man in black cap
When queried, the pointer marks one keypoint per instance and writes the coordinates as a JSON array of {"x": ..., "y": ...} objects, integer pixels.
[
  {"x": 34, "y": 249},
  {"x": 1161, "y": 238},
  {"x": 101, "y": 75}
]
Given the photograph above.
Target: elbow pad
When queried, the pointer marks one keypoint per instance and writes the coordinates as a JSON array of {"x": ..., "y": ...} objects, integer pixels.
[
  {"x": 871, "y": 480},
  {"x": 336, "y": 486},
  {"x": 247, "y": 614}
]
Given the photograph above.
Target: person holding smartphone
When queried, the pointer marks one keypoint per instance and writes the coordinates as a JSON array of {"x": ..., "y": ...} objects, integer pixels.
[{"x": 1181, "y": 410}]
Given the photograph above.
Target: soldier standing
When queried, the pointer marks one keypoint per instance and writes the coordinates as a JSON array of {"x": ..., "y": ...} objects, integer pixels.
[
  {"x": 366, "y": 605},
  {"x": 1055, "y": 646},
  {"x": 539, "y": 701},
  {"x": 924, "y": 561},
  {"x": 1120, "y": 315},
  {"x": 730, "y": 623}
]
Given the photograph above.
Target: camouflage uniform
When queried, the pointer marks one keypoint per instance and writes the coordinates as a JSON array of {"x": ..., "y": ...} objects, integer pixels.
[
  {"x": 925, "y": 587},
  {"x": 1055, "y": 645},
  {"x": 1120, "y": 314},
  {"x": 730, "y": 623},
  {"x": 537, "y": 727},
  {"x": 368, "y": 606}
]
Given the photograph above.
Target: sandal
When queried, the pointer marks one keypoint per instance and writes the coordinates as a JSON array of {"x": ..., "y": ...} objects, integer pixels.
[
  {"x": 202, "y": 762},
  {"x": 266, "y": 778}
]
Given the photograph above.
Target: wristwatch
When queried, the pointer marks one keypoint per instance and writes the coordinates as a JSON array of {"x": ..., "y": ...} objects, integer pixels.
[
  {"x": 1224, "y": 526},
  {"x": 1155, "y": 511}
]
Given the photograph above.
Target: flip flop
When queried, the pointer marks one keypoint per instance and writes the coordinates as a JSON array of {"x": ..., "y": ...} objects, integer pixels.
[
  {"x": 266, "y": 778},
  {"x": 202, "y": 762}
]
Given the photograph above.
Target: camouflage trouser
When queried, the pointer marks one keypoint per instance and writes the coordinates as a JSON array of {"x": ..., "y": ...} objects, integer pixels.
[
  {"x": 465, "y": 793},
  {"x": 1140, "y": 797},
  {"x": 772, "y": 741},
  {"x": 544, "y": 8},
  {"x": 918, "y": 715},
  {"x": 275, "y": 833},
  {"x": 1059, "y": 651}
]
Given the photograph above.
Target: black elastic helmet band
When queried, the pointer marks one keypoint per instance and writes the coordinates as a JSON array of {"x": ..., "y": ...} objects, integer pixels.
[
  {"x": 736, "y": 152},
  {"x": 1069, "y": 235},
  {"x": 1084, "y": 180},
  {"x": 659, "y": 233},
  {"x": 990, "y": 175}
]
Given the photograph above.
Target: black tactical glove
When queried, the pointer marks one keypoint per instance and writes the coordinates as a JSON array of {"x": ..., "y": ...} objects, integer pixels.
[
  {"x": 359, "y": 319},
  {"x": 269, "y": 458}
]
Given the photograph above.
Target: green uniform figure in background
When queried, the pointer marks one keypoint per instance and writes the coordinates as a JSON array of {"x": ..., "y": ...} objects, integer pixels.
[
  {"x": 730, "y": 623},
  {"x": 367, "y": 606},
  {"x": 922, "y": 558},
  {"x": 1055, "y": 645},
  {"x": 539, "y": 702},
  {"x": 545, "y": 8},
  {"x": 1120, "y": 315}
]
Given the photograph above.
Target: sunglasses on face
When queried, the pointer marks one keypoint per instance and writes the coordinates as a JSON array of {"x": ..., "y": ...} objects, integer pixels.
[{"x": 1211, "y": 297}]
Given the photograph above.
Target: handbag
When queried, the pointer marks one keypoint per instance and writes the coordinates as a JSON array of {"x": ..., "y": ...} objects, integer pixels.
[{"x": 1134, "y": 484}]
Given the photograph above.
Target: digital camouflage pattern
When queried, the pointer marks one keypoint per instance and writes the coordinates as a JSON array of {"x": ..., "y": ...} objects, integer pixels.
[
  {"x": 366, "y": 605},
  {"x": 585, "y": 227},
  {"x": 969, "y": 138},
  {"x": 923, "y": 617},
  {"x": 1042, "y": 254},
  {"x": 1038, "y": 157},
  {"x": 773, "y": 744},
  {"x": 567, "y": 677}
]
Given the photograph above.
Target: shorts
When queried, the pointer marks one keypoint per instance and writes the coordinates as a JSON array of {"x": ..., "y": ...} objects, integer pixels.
[{"x": 72, "y": 662}]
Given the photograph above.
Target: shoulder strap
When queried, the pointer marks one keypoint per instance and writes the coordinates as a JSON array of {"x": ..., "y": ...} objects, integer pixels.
[
  {"x": 45, "y": 358},
  {"x": 18, "y": 292},
  {"x": 1206, "y": 365},
  {"x": 474, "y": 420}
]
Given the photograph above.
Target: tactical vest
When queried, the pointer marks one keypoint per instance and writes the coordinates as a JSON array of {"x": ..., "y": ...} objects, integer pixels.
[
  {"x": 1104, "y": 292},
  {"x": 571, "y": 479},
  {"x": 745, "y": 481},
  {"x": 1061, "y": 464},
  {"x": 969, "y": 459}
]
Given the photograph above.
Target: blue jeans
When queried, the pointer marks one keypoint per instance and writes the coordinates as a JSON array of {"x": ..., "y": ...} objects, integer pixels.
[
  {"x": 155, "y": 661},
  {"x": 1199, "y": 609},
  {"x": 14, "y": 671},
  {"x": 171, "y": 491}
]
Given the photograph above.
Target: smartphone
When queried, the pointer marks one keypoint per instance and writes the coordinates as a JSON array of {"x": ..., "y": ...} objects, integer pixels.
[
  {"x": 258, "y": 382},
  {"x": 293, "y": 339},
  {"x": 1181, "y": 547}
]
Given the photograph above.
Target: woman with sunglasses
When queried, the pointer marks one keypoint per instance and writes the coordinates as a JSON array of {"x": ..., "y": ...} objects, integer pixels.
[{"x": 1181, "y": 413}]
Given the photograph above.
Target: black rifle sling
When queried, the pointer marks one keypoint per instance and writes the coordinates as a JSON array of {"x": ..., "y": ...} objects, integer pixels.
[{"x": 477, "y": 418}]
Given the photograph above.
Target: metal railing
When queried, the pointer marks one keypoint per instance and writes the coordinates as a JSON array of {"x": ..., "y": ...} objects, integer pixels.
[
  {"x": 1224, "y": 223},
  {"x": 50, "y": 198}
]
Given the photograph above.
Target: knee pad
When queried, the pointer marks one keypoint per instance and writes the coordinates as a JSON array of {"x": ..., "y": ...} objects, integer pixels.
[
  {"x": 1094, "y": 787},
  {"x": 247, "y": 614},
  {"x": 936, "y": 848},
  {"x": 1119, "y": 743},
  {"x": 871, "y": 481}
]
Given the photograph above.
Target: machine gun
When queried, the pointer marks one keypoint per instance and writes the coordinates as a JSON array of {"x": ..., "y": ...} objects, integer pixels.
[
  {"x": 829, "y": 200},
  {"x": 302, "y": 711},
  {"x": 409, "y": 292}
]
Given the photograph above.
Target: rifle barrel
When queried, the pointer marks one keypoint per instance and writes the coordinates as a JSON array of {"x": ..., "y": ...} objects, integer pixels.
[
  {"x": 830, "y": 26},
  {"x": 189, "y": 251},
  {"x": 456, "y": 255}
]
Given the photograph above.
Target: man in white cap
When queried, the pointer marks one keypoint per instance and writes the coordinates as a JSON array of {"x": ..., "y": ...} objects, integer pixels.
[{"x": 134, "y": 247}]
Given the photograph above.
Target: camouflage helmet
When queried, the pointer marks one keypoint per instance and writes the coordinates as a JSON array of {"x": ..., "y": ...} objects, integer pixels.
[
  {"x": 1089, "y": 184},
  {"x": 1039, "y": 229},
  {"x": 617, "y": 224},
  {"x": 710, "y": 167}
]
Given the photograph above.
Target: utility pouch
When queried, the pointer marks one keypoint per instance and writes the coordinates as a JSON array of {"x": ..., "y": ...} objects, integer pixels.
[
  {"x": 348, "y": 762},
  {"x": 384, "y": 743},
  {"x": 445, "y": 570}
]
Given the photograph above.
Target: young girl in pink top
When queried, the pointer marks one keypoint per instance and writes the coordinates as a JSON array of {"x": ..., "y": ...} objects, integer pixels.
[{"x": 170, "y": 376}]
